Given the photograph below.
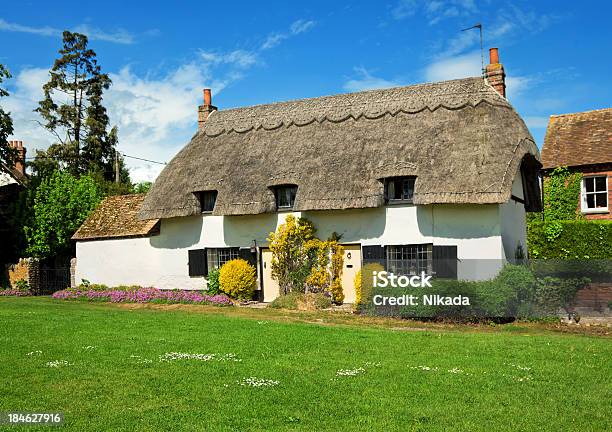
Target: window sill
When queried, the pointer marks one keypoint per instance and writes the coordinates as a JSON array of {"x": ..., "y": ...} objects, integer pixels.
[
  {"x": 399, "y": 202},
  {"x": 595, "y": 211}
]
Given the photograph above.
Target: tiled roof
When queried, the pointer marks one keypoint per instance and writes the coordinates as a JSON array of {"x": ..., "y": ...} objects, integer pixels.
[
  {"x": 116, "y": 217},
  {"x": 583, "y": 138}
]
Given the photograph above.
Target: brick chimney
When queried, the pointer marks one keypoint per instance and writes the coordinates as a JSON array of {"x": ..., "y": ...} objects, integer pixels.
[
  {"x": 205, "y": 110},
  {"x": 21, "y": 154},
  {"x": 494, "y": 72}
]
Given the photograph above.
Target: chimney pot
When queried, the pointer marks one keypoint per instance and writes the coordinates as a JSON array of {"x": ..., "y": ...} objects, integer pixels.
[
  {"x": 493, "y": 56},
  {"x": 205, "y": 110},
  {"x": 494, "y": 72},
  {"x": 207, "y": 97}
]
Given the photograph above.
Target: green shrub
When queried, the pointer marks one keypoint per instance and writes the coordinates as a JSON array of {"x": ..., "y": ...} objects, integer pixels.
[
  {"x": 22, "y": 285},
  {"x": 237, "y": 278},
  {"x": 286, "y": 301},
  {"x": 581, "y": 240},
  {"x": 555, "y": 293},
  {"x": 513, "y": 293},
  {"x": 213, "y": 287},
  {"x": 92, "y": 287},
  {"x": 299, "y": 301}
]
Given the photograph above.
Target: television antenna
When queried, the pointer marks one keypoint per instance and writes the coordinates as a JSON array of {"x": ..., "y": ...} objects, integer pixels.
[{"x": 479, "y": 27}]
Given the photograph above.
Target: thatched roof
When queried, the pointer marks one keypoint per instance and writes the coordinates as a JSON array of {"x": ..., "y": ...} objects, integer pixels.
[
  {"x": 462, "y": 140},
  {"x": 116, "y": 217},
  {"x": 583, "y": 138}
]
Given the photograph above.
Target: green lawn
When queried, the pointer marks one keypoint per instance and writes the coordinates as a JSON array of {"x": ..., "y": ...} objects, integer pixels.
[{"x": 506, "y": 378}]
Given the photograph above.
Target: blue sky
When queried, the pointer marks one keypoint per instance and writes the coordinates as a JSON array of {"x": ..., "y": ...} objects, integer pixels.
[{"x": 161, "y": 54}]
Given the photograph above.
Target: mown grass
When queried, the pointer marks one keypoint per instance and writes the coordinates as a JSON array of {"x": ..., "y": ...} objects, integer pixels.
[{"x": 508, "y": 378}]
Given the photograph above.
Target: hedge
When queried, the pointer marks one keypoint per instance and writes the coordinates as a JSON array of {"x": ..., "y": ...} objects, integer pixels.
[{"x": 580, "y": 240}]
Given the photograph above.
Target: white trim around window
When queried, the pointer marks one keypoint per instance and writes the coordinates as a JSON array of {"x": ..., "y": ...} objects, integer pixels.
[{"x": 594, "y": 194}]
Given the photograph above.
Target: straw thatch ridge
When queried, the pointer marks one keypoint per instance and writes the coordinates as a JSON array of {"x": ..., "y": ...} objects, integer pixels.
[
  {"x": 462, "y": 140},
  {"x": 116, "y": 217}
]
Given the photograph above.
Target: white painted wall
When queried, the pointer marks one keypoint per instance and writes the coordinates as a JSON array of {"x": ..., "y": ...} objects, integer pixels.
[
  {"x": 161, "y": 260},
  {"x": 513, "y": 222}
]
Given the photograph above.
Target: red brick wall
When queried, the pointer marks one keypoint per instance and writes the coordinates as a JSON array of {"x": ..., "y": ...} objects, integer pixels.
[{"x": 595, "y": 296}]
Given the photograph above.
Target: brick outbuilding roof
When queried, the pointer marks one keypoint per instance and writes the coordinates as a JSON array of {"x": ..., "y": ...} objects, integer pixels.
[
  {"x": 583, "y": 138},
  {"x": 116, "y": 217}
]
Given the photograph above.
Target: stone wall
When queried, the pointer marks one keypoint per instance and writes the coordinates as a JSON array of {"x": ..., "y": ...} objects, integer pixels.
[{"x": 27, "y": 269}]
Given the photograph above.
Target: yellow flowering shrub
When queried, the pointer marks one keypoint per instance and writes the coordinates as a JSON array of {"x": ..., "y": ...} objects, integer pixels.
[
  {"x": 238, "y": 279},
  {"x": 363, "y": 283},
  {"x": 290, "y": 248}
]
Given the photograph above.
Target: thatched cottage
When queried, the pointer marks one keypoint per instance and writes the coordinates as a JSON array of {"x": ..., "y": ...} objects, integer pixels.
[{"x": 408, "y": 176}]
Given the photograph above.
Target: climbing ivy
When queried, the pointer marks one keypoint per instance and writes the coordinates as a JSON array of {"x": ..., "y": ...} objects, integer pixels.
[{"x": 562, "y": 195}]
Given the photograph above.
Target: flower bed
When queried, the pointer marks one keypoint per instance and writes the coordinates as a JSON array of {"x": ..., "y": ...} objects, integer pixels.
[
  {"x": 143, "y": 295},
  {"x": 15, "y": 292}
]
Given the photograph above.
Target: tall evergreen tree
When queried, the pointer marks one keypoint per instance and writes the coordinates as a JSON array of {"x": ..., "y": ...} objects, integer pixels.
[
  {"x": 7, "y": 153},
  {"x": 72, "y": 109}
]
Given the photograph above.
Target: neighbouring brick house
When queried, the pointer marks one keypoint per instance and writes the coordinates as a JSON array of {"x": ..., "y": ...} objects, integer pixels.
[
  {"x": 12, "y": 181},
  {"x": 583, "y": 142}
]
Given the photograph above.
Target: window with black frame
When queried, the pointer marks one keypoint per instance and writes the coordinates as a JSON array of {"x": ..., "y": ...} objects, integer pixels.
[
  {"x": 285, "y": 196},
  {"x": 409, "y": 259},
  {"x": 399, "y": 189},
  {"x": 216, "y": 257},
  {"x": 207, "y": 200}
]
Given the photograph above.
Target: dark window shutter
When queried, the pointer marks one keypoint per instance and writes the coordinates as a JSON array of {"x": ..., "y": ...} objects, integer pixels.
[
  {"x": 197, "y": 262},
  {"x": 445, "y": 262},
  {"x": 372, "y": 254},
  {"x": 248, "y": 256}
]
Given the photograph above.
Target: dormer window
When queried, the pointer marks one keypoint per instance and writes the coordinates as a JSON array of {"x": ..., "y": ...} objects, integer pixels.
[
  {"x": 399, "y": 189},
  {"x": 207, "y": 200},
  {"x": 285, "y": 196}
]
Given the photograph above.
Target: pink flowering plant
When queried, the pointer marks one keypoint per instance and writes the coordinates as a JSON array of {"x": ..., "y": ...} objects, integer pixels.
[
  {"x": 14, "y": 292},
  {"x": 142, "y": 295},
  {"x": 21, "y": 288}
]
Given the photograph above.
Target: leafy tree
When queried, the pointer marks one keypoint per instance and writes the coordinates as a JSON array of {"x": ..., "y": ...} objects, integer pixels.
[
  {"x": 72, "y": 110},
  {"x": 7, "y": 153},
  {"x": 142, "y": 187},
  {"x": 61, "y": 204}
]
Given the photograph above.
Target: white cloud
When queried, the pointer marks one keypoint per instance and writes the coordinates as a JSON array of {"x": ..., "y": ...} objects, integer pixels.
[
  {"x": 462, "y": 66},
  {"x": 433, "y": 10},
  {"x": 536, "y": 122},
  {"x": 515, "y": 85},
  {"x": 366, "y": 81},
  {"x": 404, "y": 9},
  {"x": 469, "y": 65},
  {"x": 300, "y": 26},
  {"x": 240, "y": 58},
  {"x": 297, "y": 27},
  {"x": 156, "y": 115},
  {"x": 42, "y": 31},
  {"x": 119, "y": 36}
]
